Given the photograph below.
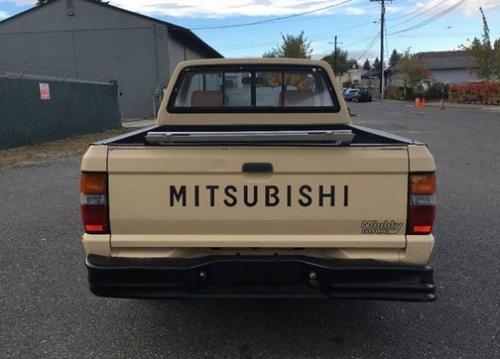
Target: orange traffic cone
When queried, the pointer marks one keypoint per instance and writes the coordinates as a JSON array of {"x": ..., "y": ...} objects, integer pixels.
[{"x": 417, "y": 102}]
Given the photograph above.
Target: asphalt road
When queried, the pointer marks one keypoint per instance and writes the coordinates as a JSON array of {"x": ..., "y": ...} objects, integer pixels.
[{"x": 47, "y": 311}]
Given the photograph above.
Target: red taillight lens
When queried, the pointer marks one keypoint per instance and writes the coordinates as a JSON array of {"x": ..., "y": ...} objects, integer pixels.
[
  {"x": 94, "y": 203},
  {"x": 421, "y": 203}
]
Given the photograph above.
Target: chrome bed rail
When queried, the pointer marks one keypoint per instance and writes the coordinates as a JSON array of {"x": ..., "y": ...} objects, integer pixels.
[{"x": 336, "y": 137}]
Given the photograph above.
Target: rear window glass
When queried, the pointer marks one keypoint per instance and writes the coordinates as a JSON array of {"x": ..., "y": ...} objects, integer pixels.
[{"x": 282, "y": 89}]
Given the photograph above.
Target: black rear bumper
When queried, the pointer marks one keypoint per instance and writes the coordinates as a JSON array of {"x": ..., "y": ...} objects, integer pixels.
[{"x": 258, "y": 276}]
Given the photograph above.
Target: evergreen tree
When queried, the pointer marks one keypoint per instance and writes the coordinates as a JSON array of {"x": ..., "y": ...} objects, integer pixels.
[
  {"x": 393, "y": 60},
  {"x": 367, "y": 66}
]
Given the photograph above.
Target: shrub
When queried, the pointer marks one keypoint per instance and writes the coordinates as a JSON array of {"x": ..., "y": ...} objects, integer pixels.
[
  {"x": 436, "y": 91},
  {"x": 395, "y": 92},
  {"x": 398, "y": 93},
  {"x": 487, "y": 93}
]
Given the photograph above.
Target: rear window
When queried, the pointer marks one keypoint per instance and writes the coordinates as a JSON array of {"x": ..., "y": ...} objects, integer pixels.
[{"x": 253, "y": 89}]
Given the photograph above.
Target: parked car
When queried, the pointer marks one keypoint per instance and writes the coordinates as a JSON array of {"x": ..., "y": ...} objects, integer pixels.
[
  {"x": 350, "y": 93},
  {"x": 362, "y": 96}
]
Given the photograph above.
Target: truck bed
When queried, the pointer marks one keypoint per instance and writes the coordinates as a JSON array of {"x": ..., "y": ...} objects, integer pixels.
[{"x": 363, "y": 136}]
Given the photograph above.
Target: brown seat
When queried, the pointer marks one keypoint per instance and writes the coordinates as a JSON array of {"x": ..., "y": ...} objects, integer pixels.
[
  {"x": 206, "y": 99},
  {"x": 299, "y": 98}
]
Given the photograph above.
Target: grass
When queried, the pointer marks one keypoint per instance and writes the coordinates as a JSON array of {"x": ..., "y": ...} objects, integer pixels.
[{"x": 48, "y": 151}]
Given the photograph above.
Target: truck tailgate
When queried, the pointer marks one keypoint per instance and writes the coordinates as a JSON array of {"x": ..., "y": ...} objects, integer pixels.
[{"x": 258, "y": 196}]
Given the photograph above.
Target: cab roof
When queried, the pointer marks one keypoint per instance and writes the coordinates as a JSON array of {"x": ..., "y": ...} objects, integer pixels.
[
  {"x": 255, "y": 61},
  {"x": 340, "y": 117}
]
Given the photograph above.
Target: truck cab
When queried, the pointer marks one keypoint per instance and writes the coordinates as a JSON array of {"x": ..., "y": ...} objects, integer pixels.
[{"x": 254, "y": 183}]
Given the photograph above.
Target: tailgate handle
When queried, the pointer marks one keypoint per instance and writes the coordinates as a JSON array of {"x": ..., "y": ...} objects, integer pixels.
[{"x": 257, "y": 167}]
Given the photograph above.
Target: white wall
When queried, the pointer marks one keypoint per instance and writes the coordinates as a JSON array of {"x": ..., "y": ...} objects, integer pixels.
[{"x": 453, "y": 76}]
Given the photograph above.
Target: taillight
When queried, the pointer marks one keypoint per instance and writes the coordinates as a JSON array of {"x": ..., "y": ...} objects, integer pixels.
[
  {"x": 421, "y": 203},
  {"x": 94, "y": 202}
]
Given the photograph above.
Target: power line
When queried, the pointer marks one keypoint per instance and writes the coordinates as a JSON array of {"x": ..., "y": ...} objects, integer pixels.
[
  {"x": 369, "y": 47},
  {"x": 423, "y": 11},
  {"x": 410, "y": 12},
  {"x": 372, "y": 42},
  {"x": 329, "y": 33},
  {"x": 271, "y": 20},
  {"x": 315, "y": 17},
  {"x": 349, "y": 44},
  {"x": 313, "y": 36},
  {"x": 351, "y": 27},
  {"x": 431, "y": 19}
]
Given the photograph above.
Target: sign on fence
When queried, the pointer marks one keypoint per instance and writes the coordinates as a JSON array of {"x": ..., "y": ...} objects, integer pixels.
[{"x": 44, "y": 91}]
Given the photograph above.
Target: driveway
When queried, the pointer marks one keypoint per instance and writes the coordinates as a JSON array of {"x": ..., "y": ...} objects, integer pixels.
[{"x": 48, "y": 312}]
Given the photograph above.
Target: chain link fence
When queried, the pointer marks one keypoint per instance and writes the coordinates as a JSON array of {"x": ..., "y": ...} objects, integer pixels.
[{"x": 34, "y": 110}]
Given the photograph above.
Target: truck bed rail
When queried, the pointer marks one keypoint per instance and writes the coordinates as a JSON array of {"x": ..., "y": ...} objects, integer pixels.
[{"x": 336, "y": 137}]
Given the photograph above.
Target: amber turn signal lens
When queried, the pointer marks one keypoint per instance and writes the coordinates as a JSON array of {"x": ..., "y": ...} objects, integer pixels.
[
  {"x": 423, "y": 184},
  {"x": 93, "y": 183}
]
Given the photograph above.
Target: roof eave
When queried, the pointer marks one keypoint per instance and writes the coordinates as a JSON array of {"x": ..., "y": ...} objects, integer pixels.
[{"x": 206, "y": 48}]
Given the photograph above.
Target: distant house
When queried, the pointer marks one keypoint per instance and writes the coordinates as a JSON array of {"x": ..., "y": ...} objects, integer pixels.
[
  {"x": 449, "y": 66},
  {"x": 89, "y": 40},
  {"x": 353, "y": 76},
  {"x": 370, "y": 81}
]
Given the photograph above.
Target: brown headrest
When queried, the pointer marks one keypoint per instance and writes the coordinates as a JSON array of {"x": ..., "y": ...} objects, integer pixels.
[
  {"x": 298, "y": 98},
  {"x": 206, "y": 99}
]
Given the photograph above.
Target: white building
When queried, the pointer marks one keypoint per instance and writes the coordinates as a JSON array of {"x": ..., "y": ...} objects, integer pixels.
[
  {"x": 353, "y": 76},
  {"x": 449, "y": 66}
]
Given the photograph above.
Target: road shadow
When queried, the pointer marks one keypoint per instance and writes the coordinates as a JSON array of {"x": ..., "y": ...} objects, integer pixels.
[{"x": 251, "y": 328}]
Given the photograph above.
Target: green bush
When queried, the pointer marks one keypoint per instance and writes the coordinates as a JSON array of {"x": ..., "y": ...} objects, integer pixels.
[
  {"x": 398, "y": 93},
  {"x": 437, "y": 91}
]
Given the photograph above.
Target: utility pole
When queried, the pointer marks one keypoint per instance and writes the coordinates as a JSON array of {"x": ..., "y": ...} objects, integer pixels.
[
  {"x": 382, "y": 25},
  {"x": 335, "y": 56},
  {"x": 335, "y": 53}
]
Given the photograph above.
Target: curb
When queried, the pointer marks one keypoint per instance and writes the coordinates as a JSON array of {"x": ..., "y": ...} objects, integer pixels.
[{"x": 453, "y": 106}]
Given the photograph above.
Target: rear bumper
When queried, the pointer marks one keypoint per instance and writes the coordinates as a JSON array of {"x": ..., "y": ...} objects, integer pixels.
[{"x": 259, "y": 276}]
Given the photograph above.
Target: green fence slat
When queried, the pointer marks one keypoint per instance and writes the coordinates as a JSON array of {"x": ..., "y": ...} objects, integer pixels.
[{"x": 74, "y": 108}]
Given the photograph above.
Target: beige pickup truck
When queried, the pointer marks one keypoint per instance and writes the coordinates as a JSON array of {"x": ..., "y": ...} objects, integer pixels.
[{"x": 255, "y": 183}]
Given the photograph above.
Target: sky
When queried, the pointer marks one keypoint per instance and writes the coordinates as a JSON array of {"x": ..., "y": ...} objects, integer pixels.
[{"x": 418, "y": 25}]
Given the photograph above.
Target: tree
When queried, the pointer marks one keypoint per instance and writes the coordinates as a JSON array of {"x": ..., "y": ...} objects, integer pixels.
[
  {"x": 411, "y": 70},
  {"x": 343, "y": 64},
  {"x": 367, "y": 66},
  {"x": 484, "y": 53},
  {"x": 292, "y": 46},
  {"x": 496, "y": 54},
  {"x": 393, "y": 60},
  {"x": 376, "y": 64}
]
